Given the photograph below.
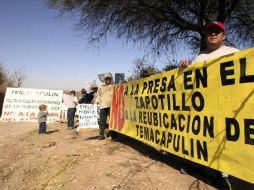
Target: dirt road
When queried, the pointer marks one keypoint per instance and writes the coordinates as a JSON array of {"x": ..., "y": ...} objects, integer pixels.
[{"x": 63, "y": 159}]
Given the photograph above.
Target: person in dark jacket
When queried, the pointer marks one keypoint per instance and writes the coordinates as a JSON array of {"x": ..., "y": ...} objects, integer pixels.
[
  {"x": 88, "y": 98},
  {"x": 82, "y": 99}
]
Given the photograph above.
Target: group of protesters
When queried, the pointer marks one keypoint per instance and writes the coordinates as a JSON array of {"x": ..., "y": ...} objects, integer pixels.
[
  {"x": 215, "y": 37},
  {"x": 215, "y": 34},
  {"x": 101, "y": 96}
]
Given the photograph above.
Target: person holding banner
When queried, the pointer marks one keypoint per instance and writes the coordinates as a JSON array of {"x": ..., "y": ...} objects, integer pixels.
[
  {"x": 104, "y": 99},
  {"x": 215, "y": 36}
]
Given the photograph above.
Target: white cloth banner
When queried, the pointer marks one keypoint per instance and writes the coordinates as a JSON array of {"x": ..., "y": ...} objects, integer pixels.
[
  {"x": 22, "y": 104},
  {"x": 88, "y": 116}
]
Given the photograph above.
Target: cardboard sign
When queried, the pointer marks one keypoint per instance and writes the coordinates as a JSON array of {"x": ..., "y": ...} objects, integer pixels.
[
  {"x": 88, "y": 116},
  {"x": 22, "y": 104}
]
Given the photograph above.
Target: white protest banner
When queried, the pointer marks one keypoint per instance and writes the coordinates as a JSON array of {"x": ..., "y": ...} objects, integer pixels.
[
  {"x": 22, "y": 104},
  {"x": 88, "y": 116}
]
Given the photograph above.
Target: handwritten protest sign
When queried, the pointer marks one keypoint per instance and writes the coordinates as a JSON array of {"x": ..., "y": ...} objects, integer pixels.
[
  {"x": 22, "y": 104},
  {"x": 203, "y": 113},
  {"x": 88, "y": 116}
]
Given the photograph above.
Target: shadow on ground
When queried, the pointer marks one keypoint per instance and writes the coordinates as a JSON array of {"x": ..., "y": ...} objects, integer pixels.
[
  {"x": 202, "y": 173},
  {"x": 92, "y": 138},
  {"x": 53, "y": 131}
]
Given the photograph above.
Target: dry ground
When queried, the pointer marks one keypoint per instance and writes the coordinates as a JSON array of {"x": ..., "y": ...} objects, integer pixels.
[{"x": 63, "y": 159}]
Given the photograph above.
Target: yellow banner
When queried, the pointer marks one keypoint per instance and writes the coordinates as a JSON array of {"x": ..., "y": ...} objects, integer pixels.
[{"x": 204, "y": 113}]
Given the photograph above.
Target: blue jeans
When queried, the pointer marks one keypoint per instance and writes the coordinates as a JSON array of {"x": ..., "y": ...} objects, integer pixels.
[
  {"x": 42, "y": 127},
  {"x": 70, "y": 116}
]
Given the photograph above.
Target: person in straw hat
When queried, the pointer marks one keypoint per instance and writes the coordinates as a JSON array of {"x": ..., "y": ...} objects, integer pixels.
[{"x": 104, "y": 100}]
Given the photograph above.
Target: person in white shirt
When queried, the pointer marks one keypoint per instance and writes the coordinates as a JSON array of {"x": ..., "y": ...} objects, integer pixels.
[
  {"x": 215, "y": 36},
  {"x": 72, "y": 103}
]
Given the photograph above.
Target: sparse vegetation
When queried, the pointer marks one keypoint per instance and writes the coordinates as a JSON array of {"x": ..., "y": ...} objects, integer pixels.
[{"x": 9, "y": 79}]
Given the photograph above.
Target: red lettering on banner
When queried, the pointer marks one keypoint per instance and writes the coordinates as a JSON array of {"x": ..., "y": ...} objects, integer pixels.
[
  {"x": 8, "y": 119},
  {"x": 20, "y": 114},
  {"x": 32, "y": 114},
  {"x": 53, "y": 115},
  {"x": 114, "y": 109},
  {"x": 118, "y": 105},
  {"x": 8, "y": 113}
]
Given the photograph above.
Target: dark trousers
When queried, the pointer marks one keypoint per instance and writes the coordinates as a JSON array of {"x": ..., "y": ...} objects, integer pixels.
[
  {"x": 42, "y": 127},
  {"x": 104, "y": 113},
  {"x": 70, "y": 117}
]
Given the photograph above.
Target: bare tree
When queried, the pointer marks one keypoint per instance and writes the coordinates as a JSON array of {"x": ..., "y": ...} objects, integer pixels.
[
  {"x": 161, "y": 23},
  {"x": 140, "y": 68},
  {"x": 9, "y": 78},
  {"x": 18, "y": 77},
  {"x": 5, "y": 82}
]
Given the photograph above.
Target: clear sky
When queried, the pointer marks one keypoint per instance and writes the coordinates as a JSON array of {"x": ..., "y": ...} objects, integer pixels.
[{"x": 51, "y": 53}]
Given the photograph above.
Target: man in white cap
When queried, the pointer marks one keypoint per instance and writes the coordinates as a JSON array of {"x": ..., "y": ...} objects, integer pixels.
[
  {"x": 104, "y": 99},
  {"x": 215, "y": 36}
]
